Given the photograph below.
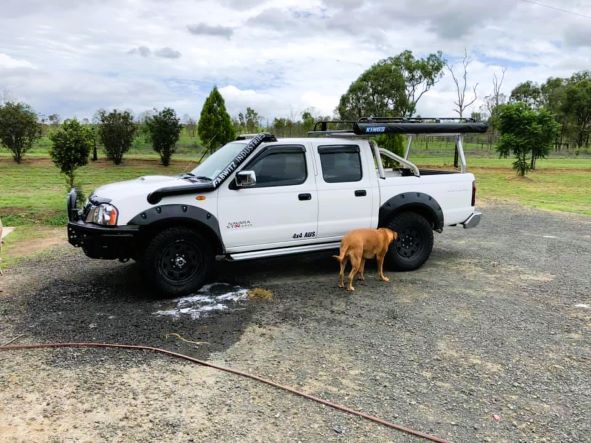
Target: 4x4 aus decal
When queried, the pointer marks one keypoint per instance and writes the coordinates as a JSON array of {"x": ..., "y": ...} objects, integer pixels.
[{"x": 309, "y": 234}]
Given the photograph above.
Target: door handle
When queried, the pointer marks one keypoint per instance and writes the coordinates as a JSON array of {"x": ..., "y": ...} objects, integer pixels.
[
  {"x": 360, "y": 193},
  {"x": 304, "y": 196}
]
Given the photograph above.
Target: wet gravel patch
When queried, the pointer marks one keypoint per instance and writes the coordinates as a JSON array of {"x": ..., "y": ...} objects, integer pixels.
[
  {"x": 489, "y": 341},
  {"x": 108, "y": 302}
]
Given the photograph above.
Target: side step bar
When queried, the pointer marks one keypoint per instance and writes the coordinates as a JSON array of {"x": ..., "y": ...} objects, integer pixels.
[{"x": 238, "y": 256}]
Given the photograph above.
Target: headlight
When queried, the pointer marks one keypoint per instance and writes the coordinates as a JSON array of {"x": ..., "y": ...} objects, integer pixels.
[{"x": 103, "y": 214}]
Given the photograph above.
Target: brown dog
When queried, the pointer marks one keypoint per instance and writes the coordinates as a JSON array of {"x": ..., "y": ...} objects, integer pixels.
[{"x": 360, "y": 245}]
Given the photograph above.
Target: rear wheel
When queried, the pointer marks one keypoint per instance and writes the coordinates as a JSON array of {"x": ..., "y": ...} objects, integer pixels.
[
  {"x": 414, "y": 244},
  {"x": 177, "y": 261}
]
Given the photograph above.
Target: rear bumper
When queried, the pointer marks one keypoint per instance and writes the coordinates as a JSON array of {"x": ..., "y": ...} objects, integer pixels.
[{"x": 473, "y": 220}]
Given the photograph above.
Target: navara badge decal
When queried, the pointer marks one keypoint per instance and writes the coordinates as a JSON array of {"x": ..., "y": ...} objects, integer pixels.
[{"x": 239, "y": 224}]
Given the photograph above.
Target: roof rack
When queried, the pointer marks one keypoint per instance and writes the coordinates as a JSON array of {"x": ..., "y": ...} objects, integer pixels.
[
  {"x": 268, "y": 137},
  {"x": 398, "y": 125}
]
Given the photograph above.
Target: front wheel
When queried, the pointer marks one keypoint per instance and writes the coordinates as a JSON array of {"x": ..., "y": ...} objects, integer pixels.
[
  {"x": 177, "y": 261},
  {"x": 414, "y": 244}
]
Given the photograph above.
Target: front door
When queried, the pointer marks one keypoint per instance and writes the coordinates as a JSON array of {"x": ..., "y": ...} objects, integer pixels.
[
  {"x": 281, "y": 210},
  {"x": 345, "y": 190}
]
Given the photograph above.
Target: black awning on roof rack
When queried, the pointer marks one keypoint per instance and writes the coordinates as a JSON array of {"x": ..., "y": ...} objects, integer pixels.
[
  {"x": 401, "y": 127},
  {"x": 398, "y": 125}
]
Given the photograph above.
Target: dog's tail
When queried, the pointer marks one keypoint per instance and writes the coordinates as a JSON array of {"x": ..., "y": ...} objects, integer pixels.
[{"x": 342, "y": 254}]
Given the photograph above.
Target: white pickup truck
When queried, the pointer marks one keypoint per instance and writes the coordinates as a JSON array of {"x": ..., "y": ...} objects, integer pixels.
[{"x": 262, "y": 197}]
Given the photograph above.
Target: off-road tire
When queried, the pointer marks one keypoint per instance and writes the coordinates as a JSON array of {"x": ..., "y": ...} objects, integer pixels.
[
  {"x": 414, "y": 244},
  {"x": 177, "y": 261}
]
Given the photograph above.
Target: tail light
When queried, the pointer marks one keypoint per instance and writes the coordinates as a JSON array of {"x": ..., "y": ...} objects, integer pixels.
[{"x": 474, "y": 193}]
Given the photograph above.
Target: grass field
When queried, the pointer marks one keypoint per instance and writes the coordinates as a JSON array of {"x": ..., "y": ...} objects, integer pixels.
[{"x": 33, "y": 193}]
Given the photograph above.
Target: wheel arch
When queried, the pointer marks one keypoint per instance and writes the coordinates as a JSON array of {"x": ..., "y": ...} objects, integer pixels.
[
  {"x": 418, "y": 202},
  {"x": 158, "y": 218}
]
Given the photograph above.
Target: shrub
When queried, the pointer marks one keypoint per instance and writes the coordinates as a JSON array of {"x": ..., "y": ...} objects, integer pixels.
[
  {"x": 71, "y": 147},
  {"x": 116, "y": 132},
  {"x": 18, "y": 128},
  {"x": 526, "y": 133},
  {"x": 164, "y": 129}
]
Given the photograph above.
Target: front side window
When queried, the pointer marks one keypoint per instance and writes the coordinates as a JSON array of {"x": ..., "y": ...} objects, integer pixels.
[
  {"x": 279, "y": 167},
  {"x": 340, "y": 163}
]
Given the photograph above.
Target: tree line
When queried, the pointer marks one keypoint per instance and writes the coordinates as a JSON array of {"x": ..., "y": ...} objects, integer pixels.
[{"x": 526, "y": 124}]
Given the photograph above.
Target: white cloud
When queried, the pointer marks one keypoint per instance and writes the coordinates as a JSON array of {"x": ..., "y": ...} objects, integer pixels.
[
  {"x": 279, "y": 57},
  {"x": 8, "y": 62}
]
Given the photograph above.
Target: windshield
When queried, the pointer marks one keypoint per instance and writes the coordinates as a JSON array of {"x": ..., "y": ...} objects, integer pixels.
[{"x": 216, "y": 162}]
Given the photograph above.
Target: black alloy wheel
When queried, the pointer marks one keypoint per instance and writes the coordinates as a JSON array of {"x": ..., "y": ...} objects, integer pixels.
[
  {"x": 180, "y": 261},
  {"x": 414, "y": 244},
  {"x": 177, "y": 261}
]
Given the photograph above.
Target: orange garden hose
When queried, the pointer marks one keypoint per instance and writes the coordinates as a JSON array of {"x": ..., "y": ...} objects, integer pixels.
[{"x": 232, "y": 371}]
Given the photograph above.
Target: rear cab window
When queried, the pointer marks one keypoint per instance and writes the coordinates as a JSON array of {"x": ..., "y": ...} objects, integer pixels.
[{"x": 340, "y": 163}]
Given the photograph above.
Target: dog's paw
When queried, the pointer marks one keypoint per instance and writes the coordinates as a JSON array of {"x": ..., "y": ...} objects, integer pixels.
[
  {"x": 350, "y": 289},
  {"x": 386, "y": 279}
]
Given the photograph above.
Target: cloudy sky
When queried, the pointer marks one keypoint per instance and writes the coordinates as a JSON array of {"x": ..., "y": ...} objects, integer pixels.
[{"x": 279, "y": 57}]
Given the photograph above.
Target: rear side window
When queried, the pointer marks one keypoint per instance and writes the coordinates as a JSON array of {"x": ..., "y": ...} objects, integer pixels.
[
  {"x": 340, "y": 163},
  {"x": 280, "y": 167}
]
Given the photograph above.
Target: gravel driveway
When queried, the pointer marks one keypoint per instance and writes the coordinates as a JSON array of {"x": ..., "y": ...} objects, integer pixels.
[{"x": 489, "y": 341}]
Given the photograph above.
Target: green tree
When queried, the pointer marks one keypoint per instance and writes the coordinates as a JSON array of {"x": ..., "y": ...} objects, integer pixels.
[
  {"x": 392, "y": 87},
  {"x": 71, "y": 146},
  {"x": 18, "y": 128},
  {"x": 250, "y": 121},
  {"x": 393, "y": 143},
  {"x": 279, "y": 126},
  {"x": 378, "y": 92},
  {"x": 525, "y": 133},
  {"x": 164, "y": 129},
  {"x": 529, "y": 93},
  {"x": 116, "y": 131},
  {"x": 308, "y": 121},
  {"x": 577, "y": 106},
  {"x": 215, "y": 125},
  {"x": 419, "y": 75}
]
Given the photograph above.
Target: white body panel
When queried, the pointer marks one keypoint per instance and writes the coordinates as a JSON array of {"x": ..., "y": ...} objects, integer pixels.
[
  {"x": 453, "y": 192},
  {"x": 339, "y": 209},
  {"x": 268, "y": 217},
  {"x": 264, "y": 218}
]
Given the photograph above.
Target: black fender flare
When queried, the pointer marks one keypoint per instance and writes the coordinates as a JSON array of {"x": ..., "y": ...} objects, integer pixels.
[
  {"x": 177, "y": 214},
  {"x": 419, "y": 202}
]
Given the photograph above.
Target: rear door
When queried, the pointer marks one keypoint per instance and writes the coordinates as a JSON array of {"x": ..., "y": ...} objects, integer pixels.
[
  {"x": 281, "y": 210},
  {"x": 346, "y": 188}
]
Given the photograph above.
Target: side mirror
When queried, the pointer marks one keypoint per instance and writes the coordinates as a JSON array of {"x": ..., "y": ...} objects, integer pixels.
[{"x": 245, "y": 179}]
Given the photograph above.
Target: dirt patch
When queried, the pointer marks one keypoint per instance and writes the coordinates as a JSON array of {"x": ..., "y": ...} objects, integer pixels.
[
  {"x": 37, "y": 240},
  {"x": 45, "y": 238}
]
